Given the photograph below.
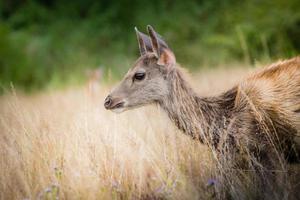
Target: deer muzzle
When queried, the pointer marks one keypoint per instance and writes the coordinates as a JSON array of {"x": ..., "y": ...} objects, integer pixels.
[{"x": 113, "y": 103}]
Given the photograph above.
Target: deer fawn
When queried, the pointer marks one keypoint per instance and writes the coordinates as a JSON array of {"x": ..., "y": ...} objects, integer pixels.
[
  {"x": 94, "y": 76},
  {"x": 259, "y": 116}
]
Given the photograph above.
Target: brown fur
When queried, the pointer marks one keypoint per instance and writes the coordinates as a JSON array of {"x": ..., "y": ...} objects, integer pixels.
[{"x": 259, "y": 113}]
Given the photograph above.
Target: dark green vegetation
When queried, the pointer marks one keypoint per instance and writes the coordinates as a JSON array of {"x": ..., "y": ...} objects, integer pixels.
[{"x": 46, "y": 43}]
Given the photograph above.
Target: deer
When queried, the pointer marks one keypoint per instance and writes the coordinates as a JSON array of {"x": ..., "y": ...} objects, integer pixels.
[
  {"x": 94, "y": 77},
  {"x": 260, "y": 116}
]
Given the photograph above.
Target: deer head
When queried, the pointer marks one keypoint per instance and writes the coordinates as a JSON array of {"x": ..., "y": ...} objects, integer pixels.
[{"x": 147, "y": 81}]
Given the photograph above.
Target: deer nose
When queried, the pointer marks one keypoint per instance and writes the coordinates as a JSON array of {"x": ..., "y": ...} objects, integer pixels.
[{"x": 107, "y": 102}]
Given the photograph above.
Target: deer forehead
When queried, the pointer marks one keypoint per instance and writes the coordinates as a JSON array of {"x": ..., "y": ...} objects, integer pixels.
[
  {"x": 145, "y": 60},
  {"x": 144, "y": 63}
]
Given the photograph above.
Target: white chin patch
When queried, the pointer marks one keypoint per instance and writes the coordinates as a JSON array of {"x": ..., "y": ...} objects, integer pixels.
[
  {"x": 122, "y": 109},
  {"x": 118, "y": 110}
]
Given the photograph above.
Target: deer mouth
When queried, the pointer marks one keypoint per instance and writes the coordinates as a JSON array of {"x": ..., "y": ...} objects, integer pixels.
[
  {"x": 117, "y": 105},
  {"x": 118, "y": 108}
]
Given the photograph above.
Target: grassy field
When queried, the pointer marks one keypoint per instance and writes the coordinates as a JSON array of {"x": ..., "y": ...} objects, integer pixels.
[
  {"x": 64, "y": 144},
  {"x": 58, "y": 142}
]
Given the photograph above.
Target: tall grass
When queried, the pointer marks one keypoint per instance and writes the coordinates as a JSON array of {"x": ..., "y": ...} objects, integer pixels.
[{"x": 63, "y": 144}]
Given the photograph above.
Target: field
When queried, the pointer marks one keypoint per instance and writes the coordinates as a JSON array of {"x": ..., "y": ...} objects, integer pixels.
[
  {"x": 58, "y": 142},
  {"x": 65, "y": 145}
]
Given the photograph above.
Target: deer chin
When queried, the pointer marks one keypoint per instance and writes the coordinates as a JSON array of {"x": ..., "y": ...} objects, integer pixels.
[
  {"x": 118, "y": 110},
  {"x": 120, "y": 107},
  {"x": 125, "y": 106}
]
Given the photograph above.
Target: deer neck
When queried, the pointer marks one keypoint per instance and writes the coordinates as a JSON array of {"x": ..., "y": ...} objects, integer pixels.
[{"x": 192, "y": 114}]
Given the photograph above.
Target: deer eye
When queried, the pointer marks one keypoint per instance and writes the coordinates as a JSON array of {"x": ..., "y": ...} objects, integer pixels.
[{"x": 139, "y": 76}]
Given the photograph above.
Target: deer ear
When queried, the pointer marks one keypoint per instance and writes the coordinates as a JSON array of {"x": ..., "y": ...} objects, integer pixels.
[
  {"x": 160, "y": 48},
  {"x": 144, "y": 42},
  {"x": 167, "y": 58}
]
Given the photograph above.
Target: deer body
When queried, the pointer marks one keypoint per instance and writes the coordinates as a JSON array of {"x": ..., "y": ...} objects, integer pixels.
[
  {"x": 257, "y": 115},
  {"x": 265, "y": 107}
]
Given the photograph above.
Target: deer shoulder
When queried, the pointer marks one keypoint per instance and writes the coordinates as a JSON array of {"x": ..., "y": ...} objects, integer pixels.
[{"x": 266, "y": 108}]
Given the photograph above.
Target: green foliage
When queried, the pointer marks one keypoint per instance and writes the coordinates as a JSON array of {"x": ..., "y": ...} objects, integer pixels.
[
  {"x": 13, "y": 62},
  {"x": 45, "y": 43}
]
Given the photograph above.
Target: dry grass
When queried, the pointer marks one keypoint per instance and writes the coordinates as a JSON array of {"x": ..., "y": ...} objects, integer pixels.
[{"x": 64, "y": 144}]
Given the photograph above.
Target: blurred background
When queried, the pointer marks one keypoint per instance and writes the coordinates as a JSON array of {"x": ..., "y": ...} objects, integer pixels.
[{"x": 50, "y": 44}]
